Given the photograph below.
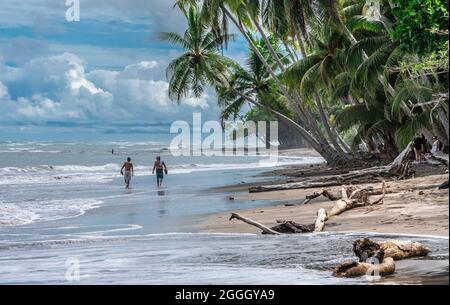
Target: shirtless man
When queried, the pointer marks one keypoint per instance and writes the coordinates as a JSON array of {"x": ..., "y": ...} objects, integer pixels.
[
  {"x": 160, "y": 168},
  {"x": 129, "y": 171}
]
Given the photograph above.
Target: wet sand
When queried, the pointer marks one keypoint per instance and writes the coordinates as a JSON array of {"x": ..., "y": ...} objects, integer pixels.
[{"x": 413, "y": 206}]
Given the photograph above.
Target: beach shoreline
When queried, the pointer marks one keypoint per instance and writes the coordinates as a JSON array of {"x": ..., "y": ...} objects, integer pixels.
[{"x": 414, "y": 206}]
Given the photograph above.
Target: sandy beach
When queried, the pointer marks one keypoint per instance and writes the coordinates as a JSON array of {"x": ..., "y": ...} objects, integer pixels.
[{"x": 413, "y": 206}]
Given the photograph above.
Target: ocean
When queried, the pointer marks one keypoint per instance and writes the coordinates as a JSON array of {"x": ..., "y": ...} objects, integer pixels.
[{"x": 65, "y": 202}]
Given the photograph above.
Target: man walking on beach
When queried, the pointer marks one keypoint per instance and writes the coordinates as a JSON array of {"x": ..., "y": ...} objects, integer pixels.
[
  {"x": 127, "y": 171},
  {"x": 161, "y": 169}
]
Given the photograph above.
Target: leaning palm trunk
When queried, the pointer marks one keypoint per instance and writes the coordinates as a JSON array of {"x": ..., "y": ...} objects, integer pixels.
[
  {"x": 332, "y": 133},
  {"x": 321, "y": 146},
  {"x": 324, "y": 150},
  {"x": 317, "y": 100},
  {"x": 443, "y": 117}
]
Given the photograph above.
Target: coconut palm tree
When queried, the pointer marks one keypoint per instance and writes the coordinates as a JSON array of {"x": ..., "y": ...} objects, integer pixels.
[
  {"x": 253, "y": 80},
  {"x": 351, "y": 73},
  {"x": 201, "y": 65},
  {"x": 240, "y": 13}
]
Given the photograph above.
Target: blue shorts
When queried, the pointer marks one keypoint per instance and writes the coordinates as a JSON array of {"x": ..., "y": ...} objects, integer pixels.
[{"x": 159, "y": 174}]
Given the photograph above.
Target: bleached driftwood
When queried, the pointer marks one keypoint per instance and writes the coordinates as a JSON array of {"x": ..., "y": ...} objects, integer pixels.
[
  {"x": 320, "y": 220},
  {"x": 442, "y": 157},
  {"x": 399, "y": 250},
  {"x": 370, "y": 253},
  {"x": 357, "y": 198},
  {"x": 369, "y": 175},
  {"x": 249, "y": 221},
  {"x": 351, "y": 197},
  {"x": 357, "y": 269},
  {"x": 399, "y": 168},
  {"x": 365, "y": 248}
]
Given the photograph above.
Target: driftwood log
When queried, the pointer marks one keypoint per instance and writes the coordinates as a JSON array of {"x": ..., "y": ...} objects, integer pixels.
[
  {"x": 365, "y": 248},
  {"x": 291, "y": 227},
  {"x": 326, "y": 193},
  {"x": 357, "y": 198},
  {"x": 399, "y": 168},
  {"x": 356, "y": 269},
  {"x": 351, "y": 197},
  {"x": 320, "y": 220},
  {"x": 369, "y": 175},
  {"x": 442, "y": 157},
  {"x": 370, "y": 253},
  {"x": 249, "y": 221}
]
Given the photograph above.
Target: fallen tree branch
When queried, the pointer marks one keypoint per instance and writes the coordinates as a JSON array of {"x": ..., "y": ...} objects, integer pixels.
[
  {"x": 351, "y": 197},
  {"x": 249, "y": 221},
  {"x": 290, "y": 227},
  {"x": 326, "y": 193},
  {"x": 357, "y": 198},
  {"x": 320, "y": 220},
  {"x": 399, "y": 168}
]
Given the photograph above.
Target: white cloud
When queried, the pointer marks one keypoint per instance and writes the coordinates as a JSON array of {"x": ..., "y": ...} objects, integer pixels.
[
  {"x": 44, "y": 108},
  {"x": 4, "y": 94},
  {"x": 59, "y": 88}
]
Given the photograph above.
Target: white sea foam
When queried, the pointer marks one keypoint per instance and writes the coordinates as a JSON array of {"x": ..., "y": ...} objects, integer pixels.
[
  {"x": 26, "y": 212},
  {"x": 189, "y": 168},
  {"x": 45, "y": 174}
]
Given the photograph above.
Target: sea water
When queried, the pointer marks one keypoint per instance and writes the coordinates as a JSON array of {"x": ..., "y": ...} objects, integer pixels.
[{"x": 65, "y": 201}]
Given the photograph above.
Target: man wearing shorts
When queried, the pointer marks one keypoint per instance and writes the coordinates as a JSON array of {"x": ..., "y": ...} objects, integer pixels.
[
  {"x": 127, "y": 171},
  {"x": 161, "y": 169}
]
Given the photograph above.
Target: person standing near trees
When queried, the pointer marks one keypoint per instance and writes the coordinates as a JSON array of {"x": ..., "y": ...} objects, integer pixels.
[{"x": 418, "y": 148}]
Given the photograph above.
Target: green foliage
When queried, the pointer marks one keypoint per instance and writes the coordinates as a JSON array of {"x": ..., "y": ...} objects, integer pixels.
[
  {"x": 379, "y": 80},
  {"x": 201, "y": 65},
  {"x": 421, "y": 25}
]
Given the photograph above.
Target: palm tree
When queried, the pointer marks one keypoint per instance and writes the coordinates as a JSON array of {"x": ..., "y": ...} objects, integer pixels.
[
  {"x": 350, "y": 67},
  {"x": 201, "y": 65},
  {"x": 240, "y": 13},
  {"x": 253, "y": 80}
]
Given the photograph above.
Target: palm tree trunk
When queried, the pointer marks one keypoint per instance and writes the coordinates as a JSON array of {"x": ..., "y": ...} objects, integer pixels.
[
  {"x": 326, "y": 123},
  {"x": 301, "y": 45},
  {"x": 341, "y": 140},
  {"x": 293, "y": 56},
  {"x": 328, "y": 154},
  {"x": 323, "y": 147},
  {"x": 444, "y": 120},
  {"x": 317, "y": 100},
  {"x": 331, "y": 132}
]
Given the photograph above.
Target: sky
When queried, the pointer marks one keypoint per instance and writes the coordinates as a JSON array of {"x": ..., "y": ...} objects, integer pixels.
[{"x": 100, "y": 76}]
